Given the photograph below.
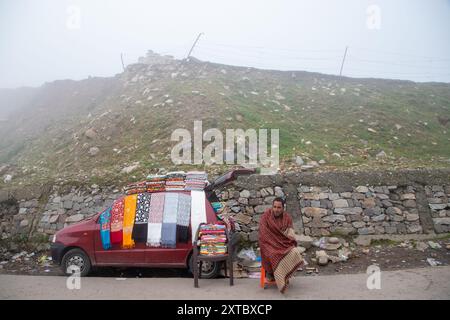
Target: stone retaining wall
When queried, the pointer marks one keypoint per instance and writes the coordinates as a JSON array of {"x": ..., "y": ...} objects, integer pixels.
[
  {"x": 362, "y": 210},
  {"x": 319, "y": 204}
]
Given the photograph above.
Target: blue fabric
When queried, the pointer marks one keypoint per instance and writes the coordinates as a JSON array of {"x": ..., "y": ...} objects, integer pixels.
[
  {"x": 169, "y": 223},
  {"x": 169, "y": 235},
  {"x": 105, "y": 227}
]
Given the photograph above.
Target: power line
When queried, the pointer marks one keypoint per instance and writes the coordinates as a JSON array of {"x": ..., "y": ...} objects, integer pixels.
[
  {"x": 325, "y": 50},
  {"x": 269, "y": 54},
  {"x": 266, "y": 48},
  {"x": 323, "y": 61},
  {"x": 401, "y": 54},
  {"x": 351, "y": 68},
  {"x": 238, "y": 56},
  {"x": 389, "y": 62},
  {"x": 343, "y": 60},
  {"x": 195, "y": 42}
]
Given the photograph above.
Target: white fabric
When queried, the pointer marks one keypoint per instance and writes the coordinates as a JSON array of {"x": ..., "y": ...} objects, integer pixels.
[
  {"x": 155, "y": 219},
  {"x": 170, "y": 208},
  {"x": 198, "y": 210},
  {"x": 154, "y": 234}
]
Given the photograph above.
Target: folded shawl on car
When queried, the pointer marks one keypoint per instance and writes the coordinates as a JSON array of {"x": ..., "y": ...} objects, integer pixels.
[
  {"x": 105, "y": 227},
  {"x": 140, "y": 222},
  {"x": 169, "y": 224},
  {"x": 155, "y": 219},
  {"x": 128, "y": 221},
  {"x": 117, "y": 221},
  {"x": 183, "y": 217},
  {"x": 198, "y": 211}
]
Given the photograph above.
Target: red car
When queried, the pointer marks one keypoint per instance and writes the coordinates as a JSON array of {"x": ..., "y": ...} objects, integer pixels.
[{"x": 80, "y": 244}]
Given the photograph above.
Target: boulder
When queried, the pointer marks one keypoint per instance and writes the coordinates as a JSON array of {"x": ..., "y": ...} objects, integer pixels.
[
  {"x": 355, "y": 210},
  {"x": 90, "y": 133},
  {"x": 365, "y": 231},
  {"x": 362, "y": 189},
  {"x": 340, "y": 203},
  {"x": 322, "y": 261},
  {"x": 75, "y": 218},
  {"x": 393, "y": 210},
  {"x": 242, "y": 218},
  {"x": 245, "y": 194},
  {"x": 333, "y": 240},
  {"x": 313, "y": 212},
  {"x": 304, "y": 241},
  {"x": 93, "y": 151},
  {"x": 362, "y": 241},
  {"x": 412, "y": 217}
]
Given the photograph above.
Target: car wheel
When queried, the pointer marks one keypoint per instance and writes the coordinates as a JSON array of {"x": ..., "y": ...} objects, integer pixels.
[
  {"x": 76, "y": 260},
  {"x": 209, "y": 270}
]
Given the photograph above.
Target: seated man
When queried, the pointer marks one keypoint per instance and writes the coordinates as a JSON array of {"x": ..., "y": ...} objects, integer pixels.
[{"x": 280, "y": 256}]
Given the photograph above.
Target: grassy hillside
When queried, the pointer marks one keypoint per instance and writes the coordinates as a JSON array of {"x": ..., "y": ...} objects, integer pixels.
[{"x": 53, "y": 134}]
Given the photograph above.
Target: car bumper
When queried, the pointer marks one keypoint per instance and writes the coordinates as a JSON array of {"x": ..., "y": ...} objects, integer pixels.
[{"x": 57, "y": 250}]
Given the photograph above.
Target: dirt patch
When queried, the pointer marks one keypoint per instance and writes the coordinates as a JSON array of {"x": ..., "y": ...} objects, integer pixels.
[{"x": 387, "y": 256}]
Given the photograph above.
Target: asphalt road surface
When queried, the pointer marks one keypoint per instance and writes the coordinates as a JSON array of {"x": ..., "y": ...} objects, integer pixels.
[{"x": 420, "y": 283}]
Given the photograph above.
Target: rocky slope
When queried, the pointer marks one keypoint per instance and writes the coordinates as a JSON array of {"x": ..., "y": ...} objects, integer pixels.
[{"x": 119, "y": 128}]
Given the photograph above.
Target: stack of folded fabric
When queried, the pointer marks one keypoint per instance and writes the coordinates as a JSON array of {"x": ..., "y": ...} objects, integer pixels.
[
  {"x": 135, "y": 188},
  {"x": 196, "y": 180},
  {"x": 175, "y": 181},
  {"x": 212, "y": 239},
  {"x": 155, "y": 183}
]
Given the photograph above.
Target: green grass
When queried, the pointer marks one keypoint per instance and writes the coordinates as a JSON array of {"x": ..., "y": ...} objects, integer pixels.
[
  {"x": 384, "y": 242},
  {"x": 443, "y": 237}
]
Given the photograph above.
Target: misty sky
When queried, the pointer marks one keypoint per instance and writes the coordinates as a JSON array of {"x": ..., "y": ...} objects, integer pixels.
[{"x": 47, "y": 40}]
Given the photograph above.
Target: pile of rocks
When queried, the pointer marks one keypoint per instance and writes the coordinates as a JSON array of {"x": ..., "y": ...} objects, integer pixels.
[
  {"x": 315, "y": 251},
  {"x": 333, "y": 250}
]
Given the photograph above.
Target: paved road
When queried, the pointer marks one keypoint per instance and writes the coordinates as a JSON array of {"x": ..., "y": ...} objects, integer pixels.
[{"x": 422, "y": 283}]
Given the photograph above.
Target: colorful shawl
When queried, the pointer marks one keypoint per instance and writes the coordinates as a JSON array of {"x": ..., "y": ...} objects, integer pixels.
[
  {"x": 169, "y": 225},
  {"x": 155, "y": 219},
  {"x": 183, "y": 217},
  {"x": 198, "y": 211},
  {"x": 279, "y": 254},
  {"x": 141, "y": 219},
  {"x": 128, "y": 221},
  {"x": 117, "y": 220},
  {"x": 105, "y": 227}
]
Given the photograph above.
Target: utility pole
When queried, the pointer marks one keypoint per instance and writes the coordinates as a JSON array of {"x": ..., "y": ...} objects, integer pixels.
[
  {"x": 343, "y": 60},
  {"x": 121, "y": 58},
  {"x": 195, "y": 42}
]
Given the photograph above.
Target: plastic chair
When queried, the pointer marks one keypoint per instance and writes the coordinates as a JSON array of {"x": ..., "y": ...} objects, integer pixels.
[{"x": 262, "y": 280}]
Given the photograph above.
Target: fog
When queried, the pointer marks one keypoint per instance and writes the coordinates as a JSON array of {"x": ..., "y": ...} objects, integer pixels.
[{"x": 47, "y": 40}]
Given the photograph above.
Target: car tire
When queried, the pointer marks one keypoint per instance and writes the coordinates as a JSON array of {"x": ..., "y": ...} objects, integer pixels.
[
  {"x": 210, "y": 269},
  {"x": 76, "y": 258}
]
